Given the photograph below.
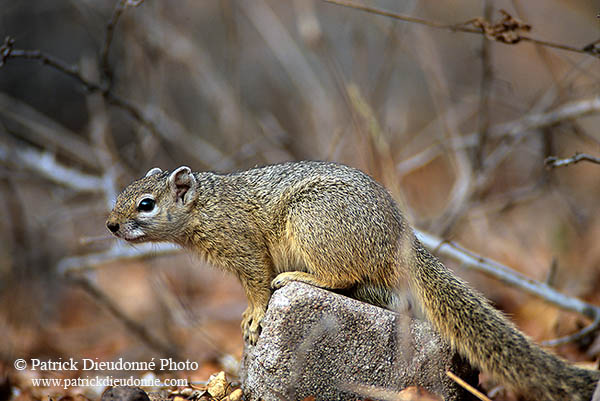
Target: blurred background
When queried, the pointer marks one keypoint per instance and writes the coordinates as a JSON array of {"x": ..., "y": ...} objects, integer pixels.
[{"x": 456, "y": 126}]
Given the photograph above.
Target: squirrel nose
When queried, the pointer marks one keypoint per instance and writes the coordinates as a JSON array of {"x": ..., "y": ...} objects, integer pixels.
[{"x": 113, "y": 227}]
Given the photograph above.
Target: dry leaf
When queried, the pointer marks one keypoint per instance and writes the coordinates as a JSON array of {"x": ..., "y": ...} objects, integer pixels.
[
  {"x": 217, "y": 385},
  {"x": 507, "y": 30},
  {"x": 236, "y": 395}
]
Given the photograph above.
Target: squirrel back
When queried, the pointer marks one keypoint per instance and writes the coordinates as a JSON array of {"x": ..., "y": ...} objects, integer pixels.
[{"x": 334, "y": 227}]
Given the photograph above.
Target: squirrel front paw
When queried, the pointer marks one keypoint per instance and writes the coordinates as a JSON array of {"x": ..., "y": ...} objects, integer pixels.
[
  {"x": 285, "y": 278},
  {"x": 251, "y": 324},
  {"x": 279, "y": 282}
]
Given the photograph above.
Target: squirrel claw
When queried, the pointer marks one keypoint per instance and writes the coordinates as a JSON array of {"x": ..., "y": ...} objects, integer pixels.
[
  {"x": 282, "y": 280},
  {"x": 251, "y": 337},
  {"x": 277, "y": 283},
  {"x": 251, "y": 326}
]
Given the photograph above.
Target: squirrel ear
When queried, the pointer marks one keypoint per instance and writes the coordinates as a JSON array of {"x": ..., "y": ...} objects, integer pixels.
[
  {"x": 183, "y": 184},
  {"x": 153, "y": 171}
]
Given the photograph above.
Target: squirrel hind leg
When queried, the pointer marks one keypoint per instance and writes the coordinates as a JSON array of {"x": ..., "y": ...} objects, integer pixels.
[{"x": 384, "y": 297}]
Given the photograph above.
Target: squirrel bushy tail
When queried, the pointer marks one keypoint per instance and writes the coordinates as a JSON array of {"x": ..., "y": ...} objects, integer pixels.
[{"x": 489, "y": 340}]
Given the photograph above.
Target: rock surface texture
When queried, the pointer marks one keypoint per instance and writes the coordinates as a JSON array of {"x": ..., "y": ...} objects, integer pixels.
[{"x": 321, "y": 344}]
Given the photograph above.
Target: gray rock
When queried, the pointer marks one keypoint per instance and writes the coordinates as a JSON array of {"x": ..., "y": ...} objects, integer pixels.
[{"x": 321, "y": 344}]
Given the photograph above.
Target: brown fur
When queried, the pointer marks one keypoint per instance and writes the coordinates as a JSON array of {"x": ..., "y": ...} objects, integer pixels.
[{"x": 334, "y": 227}]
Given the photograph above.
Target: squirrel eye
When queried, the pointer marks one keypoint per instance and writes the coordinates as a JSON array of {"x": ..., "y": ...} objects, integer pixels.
[{"x": 146, "y": 205}]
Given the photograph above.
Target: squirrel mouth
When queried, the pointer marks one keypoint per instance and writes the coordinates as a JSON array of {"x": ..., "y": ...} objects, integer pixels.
[{"x": 133, "y": 238}]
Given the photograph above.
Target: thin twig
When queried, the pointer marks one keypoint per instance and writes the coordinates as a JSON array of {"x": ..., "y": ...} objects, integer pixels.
[
  {"x": 134, "y": 327},
  {"x": 110, "y": 29},
  {"x": 173, "y": 44},
  {"x": 134, "y": 112},
  {"x": 74, "y": 72},
  {"x": 587, "y": 330},
  {"x": 553, "y": 161},
  {"x": 438, "y": 86},
  {"x": 485, "y": 86},
  {"x": 405, "y": 18},
  {"x": 365, "y": 116},
  {"x": 515, "y": 132},
  {"x": 584, "y": 50},
  {"x": 70, "y": 70},
  {"x": 293, "y": 61},
  {"x": 99, "y": 132},
  {"x": 467, "y": 386},
  {"x": 78, "y": 264},
  {"x": 7, "y": 51},
  {"x": 589, "y": 50},
  {"x": 529, "y": 122}
]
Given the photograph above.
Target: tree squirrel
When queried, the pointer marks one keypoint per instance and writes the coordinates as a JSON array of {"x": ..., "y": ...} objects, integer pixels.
[{"x": 334, "y": 227}]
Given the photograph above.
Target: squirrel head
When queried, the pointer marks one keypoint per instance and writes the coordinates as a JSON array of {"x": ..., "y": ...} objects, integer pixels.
[{"x": 155, "y": 207}]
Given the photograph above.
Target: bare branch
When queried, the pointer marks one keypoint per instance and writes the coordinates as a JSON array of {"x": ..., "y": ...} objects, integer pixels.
[
  {"x": 134, "y": 327},
  {"x": 381, "y": 146},
  {"x": 46, "y": 165},
  {"x": 110, "y": 28},
  {"x": 98, "y": 127},
  {"x": 440, "y": 92},
  {"x": 427, "y": 152},
  {"x": 516, "y": 38},
  {"x": 593, "y": 46},
  {"x": 507, "y": 275},
  {"x": 485, "y": 89},
  {"x": 8, "y": 52},
  {"x": 568, "y": 111},
  {"x": 45, "y": 132},
  {"x": 293, "y": 61},
  {"x": 73, "y": 71},
  {"x": 118, "y": 251},
  {"x": 516, "y": 131},
  {"x": 171, "y": 130},
  {"x": 553, "y": 161},
  {"x": 591, "y": 328}
]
